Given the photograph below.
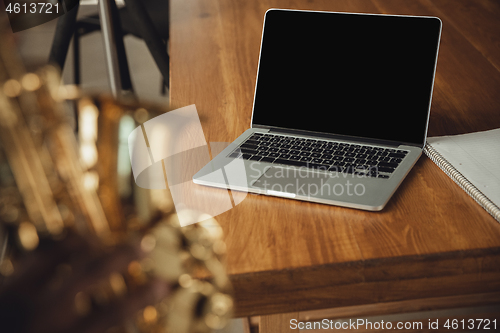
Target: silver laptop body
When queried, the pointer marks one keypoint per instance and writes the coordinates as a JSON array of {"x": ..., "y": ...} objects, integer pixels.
[{"x": 341, "y": 108}]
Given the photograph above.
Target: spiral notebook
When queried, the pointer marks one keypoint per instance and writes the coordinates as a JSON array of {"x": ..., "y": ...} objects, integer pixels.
[{"x": 473, "y": 162}]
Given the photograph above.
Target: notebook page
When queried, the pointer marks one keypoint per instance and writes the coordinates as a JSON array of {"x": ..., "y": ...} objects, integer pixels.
[{"x": 476, "y": 156}]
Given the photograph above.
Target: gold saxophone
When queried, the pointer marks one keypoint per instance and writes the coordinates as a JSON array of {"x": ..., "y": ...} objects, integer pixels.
[{"x": 82, "y": 185}]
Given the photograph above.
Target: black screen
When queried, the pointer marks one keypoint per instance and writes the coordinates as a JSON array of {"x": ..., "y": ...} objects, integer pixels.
[{"x": 360, "y": 75}]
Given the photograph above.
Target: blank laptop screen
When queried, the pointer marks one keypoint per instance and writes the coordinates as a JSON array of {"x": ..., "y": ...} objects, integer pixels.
[{"x": 366, "y": 76}]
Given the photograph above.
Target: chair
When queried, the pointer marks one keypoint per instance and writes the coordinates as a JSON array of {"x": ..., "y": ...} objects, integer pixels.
[{"x": 146, "y": 19}]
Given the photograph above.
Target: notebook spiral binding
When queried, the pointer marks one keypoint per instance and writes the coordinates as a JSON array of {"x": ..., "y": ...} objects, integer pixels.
[{"x": 463, "y": 182}]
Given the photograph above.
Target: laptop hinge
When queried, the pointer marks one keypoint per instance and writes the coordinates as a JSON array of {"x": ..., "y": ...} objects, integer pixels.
[{"x": 336, "y": 137}]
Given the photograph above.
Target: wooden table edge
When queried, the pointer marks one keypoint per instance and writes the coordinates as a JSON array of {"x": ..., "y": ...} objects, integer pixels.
[{"x": 367, "y": 282}]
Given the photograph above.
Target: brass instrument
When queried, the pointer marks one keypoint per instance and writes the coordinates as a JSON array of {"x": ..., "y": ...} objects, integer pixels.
[{"x": 62, "y": 184}]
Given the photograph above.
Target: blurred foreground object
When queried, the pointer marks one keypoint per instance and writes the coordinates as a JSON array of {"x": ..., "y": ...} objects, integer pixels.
[{"x": 82, "y": 248}]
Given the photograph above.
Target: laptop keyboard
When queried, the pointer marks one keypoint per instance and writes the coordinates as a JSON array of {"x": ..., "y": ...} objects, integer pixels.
[{"x": 321, "y": 155}]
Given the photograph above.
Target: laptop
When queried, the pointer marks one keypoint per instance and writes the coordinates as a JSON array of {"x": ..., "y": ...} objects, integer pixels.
[{"x": 341, "y": 108}]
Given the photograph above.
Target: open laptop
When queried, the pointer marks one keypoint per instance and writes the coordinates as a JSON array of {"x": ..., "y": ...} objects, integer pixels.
[{"x": 341, "y": 108}]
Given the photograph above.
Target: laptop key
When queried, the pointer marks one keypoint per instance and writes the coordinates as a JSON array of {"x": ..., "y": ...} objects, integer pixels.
[
  {"x": 385, "y": 169},
  {"x": 382, "y": 153},
  {"x": 389, "y": 165},
  {"x": 326, "y": 156},
  {"x": 249, "y": 145},
  {"x": 289, "y": 162},
  {"x": 254, "y": 138},
  {"x": 349, "y": 168},
  {"x": 396, "y": 155},
  {"x": 262, "y": 152},
  {"x": 267, "y": 159},
  {"x": 253, "y": 142},
  {"x": 255, "y": 158},
  {"x": 362, "y": 167},
  {"x": 249, "y": 151}
]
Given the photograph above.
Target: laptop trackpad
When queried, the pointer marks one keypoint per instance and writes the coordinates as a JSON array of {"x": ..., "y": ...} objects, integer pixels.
[{"x": 291, "y": 182}]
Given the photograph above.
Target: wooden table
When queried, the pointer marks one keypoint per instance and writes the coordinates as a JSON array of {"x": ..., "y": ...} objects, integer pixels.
[{"x": 432, "y": 246}]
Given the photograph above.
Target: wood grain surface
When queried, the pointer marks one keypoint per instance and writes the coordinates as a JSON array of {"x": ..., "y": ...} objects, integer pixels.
[
  {"x": 431, "y": 240},
  {"x": 274, "y": 323}
]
